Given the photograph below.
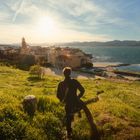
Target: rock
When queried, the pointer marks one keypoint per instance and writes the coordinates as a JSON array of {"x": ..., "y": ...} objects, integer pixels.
[{"x": 30, "y": 104}]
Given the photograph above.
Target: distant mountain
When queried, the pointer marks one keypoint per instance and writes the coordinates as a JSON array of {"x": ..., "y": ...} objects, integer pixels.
[
  {"x": 108, "y": 43},
  {"x": 86, "y": 43}
]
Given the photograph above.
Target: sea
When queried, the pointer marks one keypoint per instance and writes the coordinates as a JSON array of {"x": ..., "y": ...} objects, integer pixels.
[{"x": 115, "y": 54}]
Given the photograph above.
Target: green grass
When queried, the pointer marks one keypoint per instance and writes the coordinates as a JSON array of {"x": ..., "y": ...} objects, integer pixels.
[{"x": 117, "y": 113}]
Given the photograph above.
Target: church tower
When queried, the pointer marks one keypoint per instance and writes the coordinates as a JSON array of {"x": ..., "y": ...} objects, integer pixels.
[{"x": 24, "y": 48}]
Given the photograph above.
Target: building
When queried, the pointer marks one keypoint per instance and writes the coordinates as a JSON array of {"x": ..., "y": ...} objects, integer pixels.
[
  {"x": 55, "y": 56},
  {"x": 24, "y": 47},
  {"x": 75, "y": 58}
]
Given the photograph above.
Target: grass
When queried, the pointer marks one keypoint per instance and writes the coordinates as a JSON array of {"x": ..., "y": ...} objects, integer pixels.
[{"x": 117, "y": 113}]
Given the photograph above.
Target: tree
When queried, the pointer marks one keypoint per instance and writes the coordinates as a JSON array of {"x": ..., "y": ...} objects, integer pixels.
[{"x": 25, "y": 61}]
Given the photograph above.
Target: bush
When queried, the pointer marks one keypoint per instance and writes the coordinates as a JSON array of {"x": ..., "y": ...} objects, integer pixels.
[
  {"x": 11, "y": 130},
  {"x": 48, "y": 105},
  {"x": 25, "y": 61},
  {"x": 6, "y": 131},
  {"x": 10, "y": 113},
  {"x": 51, "y": 125},
  {"x": 42, "y": 104},
  {"x": 37, "y": 71}
]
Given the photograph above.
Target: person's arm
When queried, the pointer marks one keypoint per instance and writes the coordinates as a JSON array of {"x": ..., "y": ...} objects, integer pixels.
[
  {"x": 59, "y": 92},
  {"x": 81, "y": 89}
]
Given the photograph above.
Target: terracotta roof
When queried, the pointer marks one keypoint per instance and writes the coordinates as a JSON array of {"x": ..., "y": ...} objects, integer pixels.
[{"x": 62, "y": 57}]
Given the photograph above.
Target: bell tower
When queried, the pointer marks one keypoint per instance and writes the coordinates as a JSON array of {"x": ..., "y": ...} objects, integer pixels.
[{"x": 24, "y": 48}]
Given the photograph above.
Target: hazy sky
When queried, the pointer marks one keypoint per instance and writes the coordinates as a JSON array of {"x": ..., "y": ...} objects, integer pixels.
[{"x": 69, "y": 20}]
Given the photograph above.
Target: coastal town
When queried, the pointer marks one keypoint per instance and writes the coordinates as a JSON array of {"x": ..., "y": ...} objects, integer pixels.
[
  {"x": 26, "y": 55},
  {"x": 45, "y": 56}
]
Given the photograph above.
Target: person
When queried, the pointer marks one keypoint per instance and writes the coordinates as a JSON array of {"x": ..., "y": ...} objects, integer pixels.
[{"x": 67, "y": 93}]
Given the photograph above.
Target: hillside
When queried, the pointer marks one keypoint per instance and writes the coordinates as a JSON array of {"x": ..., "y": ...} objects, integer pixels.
[{"x": 117, "y": 113}]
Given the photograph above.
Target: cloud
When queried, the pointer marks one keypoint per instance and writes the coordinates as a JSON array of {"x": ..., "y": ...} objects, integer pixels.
[
  {"x": 84, "y": 14},
  {"x": 76, "y": 19},
  {"x": 3, "y": 16},
  {"x": 19, "y": 7},
  {"x": 80, "y": 13},
  {"x": 81, "y": 7}
]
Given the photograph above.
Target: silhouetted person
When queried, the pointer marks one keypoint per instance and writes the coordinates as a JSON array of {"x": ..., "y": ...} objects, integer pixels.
[{"x": 67, "y": 93}]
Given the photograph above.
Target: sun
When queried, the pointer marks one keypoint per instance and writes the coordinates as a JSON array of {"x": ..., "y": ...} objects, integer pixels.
[{"x": 47, "y": 26}]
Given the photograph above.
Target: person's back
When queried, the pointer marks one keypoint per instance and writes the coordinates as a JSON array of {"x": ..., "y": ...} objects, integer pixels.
[
  {"x": 67, "y": 93},
  {"x": 67, "y": 90}
]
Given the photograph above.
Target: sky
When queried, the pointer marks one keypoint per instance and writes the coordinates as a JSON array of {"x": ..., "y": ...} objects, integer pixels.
[{"x": 41, "y": 21}]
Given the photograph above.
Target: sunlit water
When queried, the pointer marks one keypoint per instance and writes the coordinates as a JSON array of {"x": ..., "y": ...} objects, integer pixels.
[
  {"x": 133, "y": 67},
  {"x": 115, "y": 54}
]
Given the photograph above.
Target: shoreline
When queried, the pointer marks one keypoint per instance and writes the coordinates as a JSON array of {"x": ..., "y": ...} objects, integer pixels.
[
  {"x": 105, "y": 64},
  {"x": 118, "y": 66},
  {"x": 86, "y": 75},
  {"x": 116, "y": 70}
]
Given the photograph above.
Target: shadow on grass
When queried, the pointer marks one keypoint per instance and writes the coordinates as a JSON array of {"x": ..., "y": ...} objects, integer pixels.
[{"x": 35, "y": 79}]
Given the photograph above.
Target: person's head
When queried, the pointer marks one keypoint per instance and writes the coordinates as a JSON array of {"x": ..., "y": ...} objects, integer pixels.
[{"x": 67, "y": 71}]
